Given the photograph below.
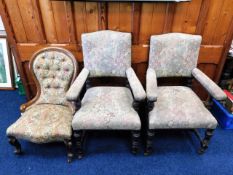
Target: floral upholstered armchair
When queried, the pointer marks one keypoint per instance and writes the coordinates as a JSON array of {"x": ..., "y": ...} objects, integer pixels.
[
  {"x": 107, "y": 54},
  {"x": 48, "y": 116},
  {"x": 178, "y": 107}
]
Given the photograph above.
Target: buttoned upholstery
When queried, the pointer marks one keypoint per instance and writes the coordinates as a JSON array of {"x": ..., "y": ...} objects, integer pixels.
[
  {"x": 49, "y": 117},
  {"x": 54, "y": 71}
]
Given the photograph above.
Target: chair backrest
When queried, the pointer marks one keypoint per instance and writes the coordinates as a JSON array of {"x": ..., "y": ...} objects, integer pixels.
[
  {"x": 174, "y": 54},
  {"x": 54, "y": 69},
  {"x": 107, "y": 53}
]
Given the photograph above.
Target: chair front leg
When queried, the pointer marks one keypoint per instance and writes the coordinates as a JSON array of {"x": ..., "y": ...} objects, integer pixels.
[
  {"x": 70, "y": 154},
  {"x": 149, "y": 142},
  {"x": 205, "y": 141},
  {"x": 14, "y": 142},
  {"x": 79, "y": 138},
  {"x": 135, "y": 141}
]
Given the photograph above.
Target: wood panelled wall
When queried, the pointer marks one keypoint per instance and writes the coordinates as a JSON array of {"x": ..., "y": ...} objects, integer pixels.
[{"x": 34, "y": 24}]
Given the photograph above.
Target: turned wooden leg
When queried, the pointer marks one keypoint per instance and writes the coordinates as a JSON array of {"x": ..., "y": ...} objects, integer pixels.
[
  {"x": 78, "y": 135},
  {"x": 14, "y": 142},
  {"x": 70, "y": 154},
  {"x": 149, "y": 142},
  {"x": 135, "y": 141},
  {"x": 205, "y": 141}
]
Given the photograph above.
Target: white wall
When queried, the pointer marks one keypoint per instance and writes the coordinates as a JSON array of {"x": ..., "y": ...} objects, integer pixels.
[{"x": 1, "y": 24}]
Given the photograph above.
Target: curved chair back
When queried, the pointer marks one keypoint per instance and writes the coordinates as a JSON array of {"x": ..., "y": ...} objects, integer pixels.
[
  {"x": 174, "y": 54},
  {"x": 107, "y": 53},
  {"x": 53, "y": 69}
]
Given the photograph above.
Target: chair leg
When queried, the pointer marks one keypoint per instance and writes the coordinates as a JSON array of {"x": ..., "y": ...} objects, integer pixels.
[
  {"x": 14, "y": 142},
  {"x": 205, "y": 141},
  {"x": 79, "y": 135},
  {"x": 135, "y": 141},
  {"x": 149, "y": 142},
  {"x": 70, "y": 154}
]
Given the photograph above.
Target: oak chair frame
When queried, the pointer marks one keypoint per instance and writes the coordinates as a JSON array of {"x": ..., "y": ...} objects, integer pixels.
[
  {"x": 80, "y": 135},
  {"x": 150, "y": 133}
]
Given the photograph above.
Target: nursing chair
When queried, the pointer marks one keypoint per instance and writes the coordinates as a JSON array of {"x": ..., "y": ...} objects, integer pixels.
[
  {"x": 48, "y": 116},
  {"x": 112, "y": 103},
  {"x": 178, "y": 107}
]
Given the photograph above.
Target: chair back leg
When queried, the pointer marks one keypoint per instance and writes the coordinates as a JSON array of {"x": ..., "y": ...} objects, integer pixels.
[
  {"x": 79, "y": 139},
  {"x": 149, "y": 142},
  {"x": 205, "y": 141}
]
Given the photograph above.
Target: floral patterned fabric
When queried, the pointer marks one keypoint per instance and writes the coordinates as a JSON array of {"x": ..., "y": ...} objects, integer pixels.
[
  {"x": 107, "y": 53},
  {"x": 54, "y": 71},
  {"x": 136, "y": 86},
  {"x": 179, "y": 107},
  {"x": 174, "y": 54},
  {"x": 43, "y": 123},
  {"x": 209, "y": 85},
  {"x": 151, "y": 85},
  {"x": 75, "y": 89},
  {"x": 107, "y": 108}
]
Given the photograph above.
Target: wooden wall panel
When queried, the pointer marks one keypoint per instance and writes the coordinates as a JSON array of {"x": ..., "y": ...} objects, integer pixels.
[
  {"x": 48, "y": 21},
  {"x": 60, "y": 13},
  {"x": 16, "y": 20},
  {"x": 92, "y": 20},
  {"x": 79, "y": 19},
  {"x": 152, "y": 20},
  {"x": 31, "y": 21},
  {"x": 185, "y": 19},
  {"x": 119, "y": 16},
  {"x": 224, "y": 22},
  {"x": 212, "y": 21},
  {"x": 35, "y": 24}
]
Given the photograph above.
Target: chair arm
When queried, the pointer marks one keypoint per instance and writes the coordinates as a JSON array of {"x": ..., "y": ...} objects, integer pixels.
[
  {"x": 136, "y": 86},
  {"x": 76, "y": 88},
  {"x": 213, "y": 89},
  {"x": 151, "y": 85},
  {"x": 24, "y": 106}
]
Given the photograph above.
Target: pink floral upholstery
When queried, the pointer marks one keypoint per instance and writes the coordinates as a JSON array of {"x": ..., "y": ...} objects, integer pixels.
[
  {"x": 54, "y": 71},
  {"x": 49, "y": 117},
  {"x": 107, "y": 53},
  {"x": 179, "y": 107},
  {"x": 213, "y": 89},
  {"x": 43, "y": 123},
  {"x": 107, "y": 108},
  {"x": 174, "y": 54}
]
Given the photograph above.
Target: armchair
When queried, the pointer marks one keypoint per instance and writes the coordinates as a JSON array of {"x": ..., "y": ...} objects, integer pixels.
[
  {"x": 178, "y": 107},
  {"x": 107, "y": 54},
  {"x": 48, "y": 116}
]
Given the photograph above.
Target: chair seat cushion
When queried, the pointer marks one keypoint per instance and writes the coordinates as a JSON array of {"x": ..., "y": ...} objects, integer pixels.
[
  {"x": 179, "y": 107},
  {"x": 107, "y": 108},
  {"x": 43, "y": 123}
]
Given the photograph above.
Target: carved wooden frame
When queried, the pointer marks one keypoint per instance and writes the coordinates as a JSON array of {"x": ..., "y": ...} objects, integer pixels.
[
  {"x": 66, "y": 52},
  {"x": 12, "y": 140}
]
